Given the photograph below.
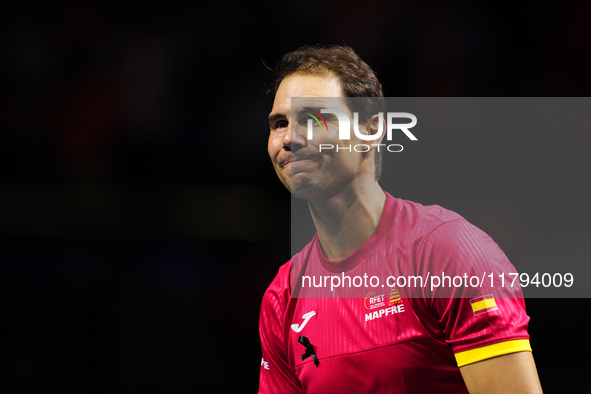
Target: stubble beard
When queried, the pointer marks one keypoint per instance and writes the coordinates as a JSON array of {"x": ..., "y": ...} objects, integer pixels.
[{"x": 306, "y": 188}]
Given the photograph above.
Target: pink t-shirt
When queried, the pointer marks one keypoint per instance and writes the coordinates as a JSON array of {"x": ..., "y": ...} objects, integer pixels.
[{"x": 392, "y": 339}]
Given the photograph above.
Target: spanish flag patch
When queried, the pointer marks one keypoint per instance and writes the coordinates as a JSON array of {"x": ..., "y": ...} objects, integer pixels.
[{"x": 483, "y": 304}]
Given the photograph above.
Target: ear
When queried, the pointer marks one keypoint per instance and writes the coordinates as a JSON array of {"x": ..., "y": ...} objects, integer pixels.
[{"x": 373, "y": 127}]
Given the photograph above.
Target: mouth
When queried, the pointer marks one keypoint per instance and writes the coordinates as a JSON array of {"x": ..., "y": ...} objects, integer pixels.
[
  {"x": 296, "y": 161},
  {"x": 284, "y": 162},
  {"x": 302, "y": 157},
  {"x": 302, "y": 160}
]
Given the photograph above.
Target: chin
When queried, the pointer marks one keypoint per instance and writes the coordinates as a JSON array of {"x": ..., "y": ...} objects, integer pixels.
[{"x": 304, "y": 190}]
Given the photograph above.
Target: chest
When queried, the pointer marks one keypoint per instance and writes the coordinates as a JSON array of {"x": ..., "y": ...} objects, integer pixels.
[
  {"x": 337, "y": 327},
  {"x": 378, "y": 341}
]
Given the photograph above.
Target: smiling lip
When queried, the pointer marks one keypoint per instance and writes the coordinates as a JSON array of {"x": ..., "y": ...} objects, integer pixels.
[
  {"x": 300, "y": 160},
  {"x": 297, "y": 161}
]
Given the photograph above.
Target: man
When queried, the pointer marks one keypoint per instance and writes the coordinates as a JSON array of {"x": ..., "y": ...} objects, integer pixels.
[{"x": 407, "y": 343}]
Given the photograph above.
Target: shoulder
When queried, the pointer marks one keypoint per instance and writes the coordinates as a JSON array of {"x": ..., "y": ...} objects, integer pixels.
[
  {"x": 418, "y": 220},
  {"x": 274, "y": 306},
  {"x": 458, "y": 237},
  {"x": 278, "y": 292},
  {"x": 443, "y": 238}
]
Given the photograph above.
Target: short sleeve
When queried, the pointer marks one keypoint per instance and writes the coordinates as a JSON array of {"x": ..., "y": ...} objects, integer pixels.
[
  {"x": 276, "y": 375},
  {"x": 480, "y": 317}
]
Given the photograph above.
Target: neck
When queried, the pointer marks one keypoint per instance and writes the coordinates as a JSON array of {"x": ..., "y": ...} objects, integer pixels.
[{"x": 346, "y": 220}]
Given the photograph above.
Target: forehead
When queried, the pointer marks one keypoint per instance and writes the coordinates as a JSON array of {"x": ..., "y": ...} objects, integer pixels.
[{"x": 305, "y": 85}]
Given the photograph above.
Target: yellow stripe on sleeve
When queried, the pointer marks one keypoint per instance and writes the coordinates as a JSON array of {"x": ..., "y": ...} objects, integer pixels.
[
  {"x": 490, "y": 351},
  {"x": 484, "y": 304}
]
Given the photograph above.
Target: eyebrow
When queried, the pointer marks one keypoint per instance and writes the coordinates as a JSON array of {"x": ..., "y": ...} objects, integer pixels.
[
  {"x": 314, "y": 108},
  {"x": 273, "y": 118}
]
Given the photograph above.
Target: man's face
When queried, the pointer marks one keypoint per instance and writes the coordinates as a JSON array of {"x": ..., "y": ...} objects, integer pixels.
[{"x": 301, "y": 166}]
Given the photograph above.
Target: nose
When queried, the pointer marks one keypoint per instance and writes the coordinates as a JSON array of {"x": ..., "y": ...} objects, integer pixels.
[
  {"x": 295, "y": 136},
  {"x": 287, "y": 137}
]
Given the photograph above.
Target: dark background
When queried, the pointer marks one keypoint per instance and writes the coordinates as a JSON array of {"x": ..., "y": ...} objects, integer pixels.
[{"x": 141, "y": 219}]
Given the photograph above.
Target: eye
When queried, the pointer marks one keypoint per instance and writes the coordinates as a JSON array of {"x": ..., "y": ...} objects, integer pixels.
[{"x": 280, "y": 124}]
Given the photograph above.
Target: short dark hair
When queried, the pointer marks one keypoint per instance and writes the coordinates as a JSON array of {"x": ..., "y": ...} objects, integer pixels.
[{"x": 356, "y": 77}]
